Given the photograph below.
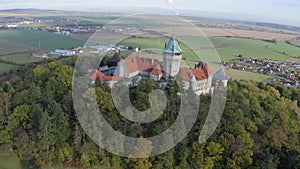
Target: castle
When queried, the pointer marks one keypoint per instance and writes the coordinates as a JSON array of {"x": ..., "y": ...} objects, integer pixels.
[{"x": 200, "y": 79}]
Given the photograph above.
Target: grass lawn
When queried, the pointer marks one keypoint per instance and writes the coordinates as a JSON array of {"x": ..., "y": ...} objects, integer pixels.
[
  {"x": 7, "y": 68},
  {"x": 21, "y": 58},
  {"x": 48, "y": 41},
  {"x": 239, "y": 75},
  {"x": 9, "y": 162},
  {"x": 8, "y": 159}
]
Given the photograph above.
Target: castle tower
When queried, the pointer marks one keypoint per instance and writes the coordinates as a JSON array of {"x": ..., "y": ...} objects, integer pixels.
[
  {"x": 220, "y": 75},
  {"x": 172, "y": 58}
]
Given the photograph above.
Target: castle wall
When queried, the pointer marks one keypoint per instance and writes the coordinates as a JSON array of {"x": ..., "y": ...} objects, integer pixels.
[{"x": 171, "y": 65}]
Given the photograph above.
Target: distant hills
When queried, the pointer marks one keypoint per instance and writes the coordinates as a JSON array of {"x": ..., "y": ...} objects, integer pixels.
[{"x": 228, "y": 17}]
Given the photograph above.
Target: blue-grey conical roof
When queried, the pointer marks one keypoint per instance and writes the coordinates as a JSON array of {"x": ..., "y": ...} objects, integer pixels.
[
  {"x": 221, "y": 75},
  {"x": 173, "y": 46}
]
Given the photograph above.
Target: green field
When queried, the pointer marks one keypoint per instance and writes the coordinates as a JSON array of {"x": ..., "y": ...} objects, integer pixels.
[
  {"x": 8, "y": 47},
  {"x": 48, "y": 41},
  {"x": 227, "y": 48},
  {"x": 153, "y": 43},
  {"x": 96, "y": 19},
  {"x": 8, "y": 159},
  {"x": 17, "y": 46},
  {"x": 288, "y": 49},
  {"x": 9, "y": 162},
  {"x": 21, "y": 58},
  {"x": 239, "y": 75},
  {"x": 7, "y": 68}
]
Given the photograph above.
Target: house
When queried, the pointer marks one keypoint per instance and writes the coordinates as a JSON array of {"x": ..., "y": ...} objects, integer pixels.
[
  {"x": 63, "y": 52},
  {"x": 110, "y": 80},
  {"x": 199, "y": 78},
  {"x": 101, "y": 49},
  {"x": 108, "y": 71},
  {"x": 131, "y": 67},
  {"x": 39, "y": 54}
]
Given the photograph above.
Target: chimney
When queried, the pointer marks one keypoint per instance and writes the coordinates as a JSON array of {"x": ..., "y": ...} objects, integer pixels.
[
  {"x": 132, "y": 60},
  {"x": 152, "y": 61}
]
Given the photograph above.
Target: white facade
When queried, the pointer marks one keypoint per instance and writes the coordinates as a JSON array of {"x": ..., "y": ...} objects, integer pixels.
[
  {"x": 202, "y": 86},
  {"x": 63, "y": 52},
  {"x": 171, "y": 64}
]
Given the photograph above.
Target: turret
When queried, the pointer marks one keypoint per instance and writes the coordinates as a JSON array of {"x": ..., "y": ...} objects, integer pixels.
[
  {"x": 172, "y": 58},
  {"x": 193, "y": 82},
  {"x": 220, "y": 75}
]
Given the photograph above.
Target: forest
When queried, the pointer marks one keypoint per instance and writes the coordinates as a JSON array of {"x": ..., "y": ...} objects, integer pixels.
[{"x": 260, "y": 127}]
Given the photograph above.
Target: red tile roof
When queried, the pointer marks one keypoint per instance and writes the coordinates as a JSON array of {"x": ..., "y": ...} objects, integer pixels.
[
  {"x": 141, "y": 64},
  {"x": 38, "y": 53},
  {"x": 101, "y": 76},
  {"x": 157, "y": 70},
  {"x": 201, "y": 72},
  {"x": 131, "y": 64},
  {"x": 185, "y": 74}
]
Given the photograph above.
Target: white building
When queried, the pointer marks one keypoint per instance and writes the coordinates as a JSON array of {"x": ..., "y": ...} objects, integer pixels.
[
  {"x": 63, "y": 52},
  {"x": 101, "y": 49},
  {"x": 39, "y": 54}
]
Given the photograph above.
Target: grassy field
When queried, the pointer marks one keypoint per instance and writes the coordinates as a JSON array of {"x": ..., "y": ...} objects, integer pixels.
[
  {"x": 21, "y": 58},
  {"x": 8, "y": 159},
  {"x": 239, "y": 75},
  {"x": 96, "y": 20},
  {"x": 286, "y": 48},
  {"x": 8, "y": 47},
  {"x": 156, "y": 43},
  {"x": 9, "y": 162},
  {"x": 48, "y": 41},
  {"x": 7, "y": 68},
  {"x": 227, "y": 48},
  {"x": 17, "y": 46}
]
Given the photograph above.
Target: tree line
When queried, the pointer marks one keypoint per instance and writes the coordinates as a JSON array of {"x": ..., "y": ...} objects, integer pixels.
[{"x": 259, "y": 128}]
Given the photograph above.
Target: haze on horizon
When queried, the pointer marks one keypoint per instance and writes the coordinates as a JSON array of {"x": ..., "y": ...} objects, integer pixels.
[{"x": 276, "y": 11}]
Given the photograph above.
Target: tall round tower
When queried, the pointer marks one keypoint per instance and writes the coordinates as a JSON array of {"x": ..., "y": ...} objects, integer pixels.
[{"x": 172, "y": 58}]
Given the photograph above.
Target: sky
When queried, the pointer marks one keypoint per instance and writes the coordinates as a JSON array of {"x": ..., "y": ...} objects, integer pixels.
[{"x": 276, "y": 11}]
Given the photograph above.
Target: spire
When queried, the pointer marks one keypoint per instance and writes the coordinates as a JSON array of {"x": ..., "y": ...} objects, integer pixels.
[
  {"x": 221, "y": 75},
  {"x": 173, "y": 46},
  {"x": 193, "y": 79}
]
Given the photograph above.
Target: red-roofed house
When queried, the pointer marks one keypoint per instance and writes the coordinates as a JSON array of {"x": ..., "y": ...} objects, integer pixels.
[
  {"x": 39, "y": 54},
  {"x": 111, "y": 80},
  {"x": 199, "y": 78},
  {"x": 134, "y": 66}
]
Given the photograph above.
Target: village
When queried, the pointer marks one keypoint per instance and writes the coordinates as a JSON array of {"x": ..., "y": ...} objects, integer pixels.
[{"x": 286, "y": 73}]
